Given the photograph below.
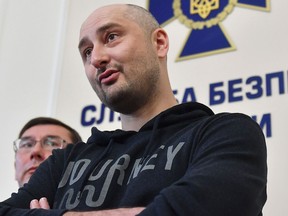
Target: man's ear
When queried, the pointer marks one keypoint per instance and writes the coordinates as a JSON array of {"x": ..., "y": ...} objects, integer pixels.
[
  {"x": 162, "y": 42},
  {"x": 15, "y": 170}
]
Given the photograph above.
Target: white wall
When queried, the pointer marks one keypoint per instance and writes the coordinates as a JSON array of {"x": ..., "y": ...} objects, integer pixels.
[
  {"x": 42, "y": 74},
  {"x": 29, "y": 54}
]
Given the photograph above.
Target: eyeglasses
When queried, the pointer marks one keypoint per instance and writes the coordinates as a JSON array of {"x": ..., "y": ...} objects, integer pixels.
[{"x": 26, "y": 144}]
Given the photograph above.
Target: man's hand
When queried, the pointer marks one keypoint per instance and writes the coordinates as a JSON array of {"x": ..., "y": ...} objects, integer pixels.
[
  {"x": 111, "y": 212},
  {"x": 42, "y": 203}
]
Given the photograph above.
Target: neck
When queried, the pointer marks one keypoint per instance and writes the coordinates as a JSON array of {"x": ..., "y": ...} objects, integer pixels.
[{"x": 136, "y": 120}]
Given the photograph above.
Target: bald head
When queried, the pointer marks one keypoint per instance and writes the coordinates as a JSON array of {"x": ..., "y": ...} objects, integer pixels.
[
  {"x": 135, "y": 13},
  {"x": 142, "y": 17}
]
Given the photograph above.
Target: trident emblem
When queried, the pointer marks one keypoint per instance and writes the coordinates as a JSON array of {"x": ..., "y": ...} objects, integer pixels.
[
  {"x": 204, "y": 19},
  {"x": 203, "y": 7}
]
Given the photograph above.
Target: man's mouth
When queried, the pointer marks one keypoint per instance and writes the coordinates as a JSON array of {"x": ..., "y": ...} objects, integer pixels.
[
  {"x": 109, "y": 76},
  {"x": 31, "y": 169}
]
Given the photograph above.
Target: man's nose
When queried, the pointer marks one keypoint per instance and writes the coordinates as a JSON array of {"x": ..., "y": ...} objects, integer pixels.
[
  {"x": 37, "y": 152},
  {"x": 99, "y": 57}
]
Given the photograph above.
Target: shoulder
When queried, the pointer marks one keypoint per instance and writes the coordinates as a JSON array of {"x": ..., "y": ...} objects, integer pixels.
[
  {"x": 234, "y": 128},
  {"x": 237, "y": 121}
]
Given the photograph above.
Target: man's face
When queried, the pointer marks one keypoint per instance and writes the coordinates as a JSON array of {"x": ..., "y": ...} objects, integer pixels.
[
  {"x": 26, "y": 162},
  {"x": 120, "y": 60}
]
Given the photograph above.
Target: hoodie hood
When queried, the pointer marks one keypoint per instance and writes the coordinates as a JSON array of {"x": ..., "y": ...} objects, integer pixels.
[{"x": 181, "y": 114}]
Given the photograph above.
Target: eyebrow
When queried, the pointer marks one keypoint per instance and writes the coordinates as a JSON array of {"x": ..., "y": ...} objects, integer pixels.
[
  {"x": 82, "y": 42},
  {"x": 33, "y": 137},
  {"x": 98, "y": 31}
]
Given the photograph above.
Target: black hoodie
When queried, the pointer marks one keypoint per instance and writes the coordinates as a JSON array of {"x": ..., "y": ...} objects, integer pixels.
[{"x": 184, "y": 161}]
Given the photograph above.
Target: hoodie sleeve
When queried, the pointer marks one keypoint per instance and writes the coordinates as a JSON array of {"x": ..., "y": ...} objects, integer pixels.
[
  {"x": 227, "y": 173},
  {"x": 42, "y": 184}
]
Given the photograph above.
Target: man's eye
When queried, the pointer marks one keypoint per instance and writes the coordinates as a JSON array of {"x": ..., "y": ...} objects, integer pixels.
[
  {"x": 51, "y": 143},
  {"x": 26, "y": 144},
  {"x": 87, "y": 52},
  {"x": 54, "y": 143},
  {"x": 111, "y": 37}
]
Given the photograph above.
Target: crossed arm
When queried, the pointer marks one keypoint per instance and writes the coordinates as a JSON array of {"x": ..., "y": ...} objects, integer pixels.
[{"x": 43, "y": 203}]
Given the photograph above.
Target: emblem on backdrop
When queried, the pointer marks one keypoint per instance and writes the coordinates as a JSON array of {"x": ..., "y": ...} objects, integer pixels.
[{"x": 204, "y": 19}]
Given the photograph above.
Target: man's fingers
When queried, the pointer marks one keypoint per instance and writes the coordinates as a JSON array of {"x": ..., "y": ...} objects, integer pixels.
[
  {"x": 34, "y": 204},
  {"x": 42, "y": 203}
]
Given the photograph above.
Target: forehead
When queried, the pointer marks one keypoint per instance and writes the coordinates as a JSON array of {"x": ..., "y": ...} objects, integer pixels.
[
  {"x": 39, "y": 131},
  {"x": 103, "y": 16}
]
